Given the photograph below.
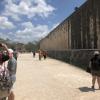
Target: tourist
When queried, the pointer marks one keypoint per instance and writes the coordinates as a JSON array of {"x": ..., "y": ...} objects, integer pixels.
[
  {"x": 95, "y": 69},
  {"x": 40, "y": 54},
  {"x": 33, "y": 53},
  {"x": 12, "y": 66},
  {"x": 44, "y": 54}
]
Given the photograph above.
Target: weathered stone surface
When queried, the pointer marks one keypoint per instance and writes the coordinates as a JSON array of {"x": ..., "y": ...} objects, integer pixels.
[
  {"x": 81, "y": 30},
  {"x": 78, "y": 57}
]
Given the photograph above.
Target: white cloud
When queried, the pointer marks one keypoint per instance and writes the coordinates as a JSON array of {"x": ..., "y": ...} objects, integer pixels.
[
  {"x": 31, "y": 32},
  {"x": 24, "y": 31},
  {"x": 42, "y": 8},
  {"x": 15, "y": 17},
  {"x": 5, "y": 23},
  {"x": 27, "y": 25},
  {"x": 30, "y": 8},
  {"x": 4, "y": 36}
]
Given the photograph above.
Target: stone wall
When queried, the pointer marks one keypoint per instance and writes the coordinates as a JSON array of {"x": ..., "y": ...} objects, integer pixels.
[
  {"x": 70, "y": 40},
  {"x": 80, "y": 58},
  {"x": 81, "y": 30},
  {"x": 57, "y": 39}
]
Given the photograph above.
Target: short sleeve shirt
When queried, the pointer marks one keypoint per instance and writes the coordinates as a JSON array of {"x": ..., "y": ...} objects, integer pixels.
[{"x": 12, "y": 66}]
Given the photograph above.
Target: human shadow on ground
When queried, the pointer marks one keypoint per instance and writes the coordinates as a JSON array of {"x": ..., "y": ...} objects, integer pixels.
[{"x": 86, "y": 89}]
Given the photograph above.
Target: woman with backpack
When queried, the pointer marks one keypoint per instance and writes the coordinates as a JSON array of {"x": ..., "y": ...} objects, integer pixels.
[{"x": 95, "y": 69}]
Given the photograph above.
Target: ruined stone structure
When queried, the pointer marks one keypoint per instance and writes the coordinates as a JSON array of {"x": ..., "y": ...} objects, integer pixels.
[{"x": 81, "y": 30}]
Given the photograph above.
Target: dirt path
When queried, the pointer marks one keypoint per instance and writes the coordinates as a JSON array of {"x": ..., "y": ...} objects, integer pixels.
[{"x": 51, "y": 80}]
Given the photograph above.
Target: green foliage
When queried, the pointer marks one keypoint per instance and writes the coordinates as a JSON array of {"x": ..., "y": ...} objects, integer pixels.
[
  {"x": 30, "y": 47},
  {"x": 21, "y": 46}
]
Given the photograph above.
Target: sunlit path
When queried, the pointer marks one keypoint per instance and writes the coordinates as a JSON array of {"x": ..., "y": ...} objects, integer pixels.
[{"x": 51, "y": 80}]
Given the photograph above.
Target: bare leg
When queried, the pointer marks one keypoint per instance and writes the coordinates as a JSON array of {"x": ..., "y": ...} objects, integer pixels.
[
  {"x": 93, "y": 81},
  {"x": 98, "y": 80},
  {"x": 11, "y": 96}
]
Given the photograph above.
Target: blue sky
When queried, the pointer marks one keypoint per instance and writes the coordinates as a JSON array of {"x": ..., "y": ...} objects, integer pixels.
[{"x": 31, "y": 20}]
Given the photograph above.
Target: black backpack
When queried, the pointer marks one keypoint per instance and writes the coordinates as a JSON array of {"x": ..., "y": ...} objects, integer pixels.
[{"x": 95, "y": 63}]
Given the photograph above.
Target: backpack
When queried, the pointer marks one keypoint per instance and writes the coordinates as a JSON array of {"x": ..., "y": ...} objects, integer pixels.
[
  {"x": 95, "y": 63},
  {"x": 5, "y": 81}
]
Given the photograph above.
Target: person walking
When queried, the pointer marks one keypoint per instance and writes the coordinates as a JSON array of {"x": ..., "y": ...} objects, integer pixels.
[
  {"x": 95, "y": 69},
  {"x": 40, "y": 54},
  {"x": 44, "y": 54},
  {"x": 33, "y": 53}
]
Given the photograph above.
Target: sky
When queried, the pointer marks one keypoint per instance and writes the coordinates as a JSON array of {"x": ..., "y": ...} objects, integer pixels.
[{"x": 31, "y": 20}]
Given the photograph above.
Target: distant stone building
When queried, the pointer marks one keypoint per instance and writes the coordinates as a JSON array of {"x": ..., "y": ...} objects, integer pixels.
[{"x": 81, "y": 30}]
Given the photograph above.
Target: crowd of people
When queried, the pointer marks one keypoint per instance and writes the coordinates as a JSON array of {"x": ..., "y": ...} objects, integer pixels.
[
  {"x": 41, "y": 54},
  {"x": 8, "y": 67}
]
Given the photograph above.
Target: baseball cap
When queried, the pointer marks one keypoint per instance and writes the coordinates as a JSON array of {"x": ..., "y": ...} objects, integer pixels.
[
  {"x": 10, "y": 50},
  {"x": 96, "y": 53}
]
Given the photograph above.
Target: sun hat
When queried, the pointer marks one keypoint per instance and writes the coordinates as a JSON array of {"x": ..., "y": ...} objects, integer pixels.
[{"x": 10, "y": 50}]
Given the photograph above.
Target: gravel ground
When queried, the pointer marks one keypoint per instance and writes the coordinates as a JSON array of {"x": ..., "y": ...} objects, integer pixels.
[{"x": 51, "y": 80}]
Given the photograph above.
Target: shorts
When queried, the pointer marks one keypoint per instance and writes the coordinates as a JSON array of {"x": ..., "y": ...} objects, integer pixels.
[
  {"x": 95, "y": 73},
  {"x": 13, "y": 78},
  {"x": 4, "y": 94}
]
